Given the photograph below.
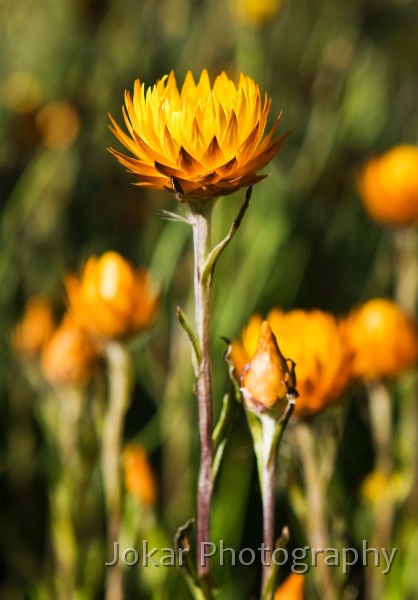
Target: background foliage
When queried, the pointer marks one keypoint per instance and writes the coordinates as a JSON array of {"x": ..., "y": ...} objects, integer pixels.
[{"x": 344, "y": 75}]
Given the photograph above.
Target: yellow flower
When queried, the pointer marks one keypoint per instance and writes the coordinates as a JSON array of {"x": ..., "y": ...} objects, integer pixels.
[
  {"x": 389, "y": 186},
  {"x": 203, "y": 141},
  {"x": 377, "y": 486},
  {"x": 111, "y": 299},
  {"x": 382, "y": 340},
  {"x": 267, "y": 377},
  {"x": 291, "y": 588},
  {"x": 36, "y": 327},
  {"x": 139, "y": 478},
  {"x": 256, "y": 12},
  {"x": 70, "y": 357},
  {"x": 312, "y": 340}
]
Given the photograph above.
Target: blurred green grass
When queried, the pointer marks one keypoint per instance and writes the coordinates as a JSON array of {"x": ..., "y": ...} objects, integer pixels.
[{"x": 344, "y": 75}]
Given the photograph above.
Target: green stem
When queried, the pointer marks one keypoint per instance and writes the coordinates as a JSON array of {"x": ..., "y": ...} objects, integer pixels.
[
  {"x": 406, "y": 294},
  {"x": 406, "y": 270},
  {"x": 66, "y": 427},
  {"x": 380, "y": 409},
  {"x": 317, "y": 527},
  {"x": 63, "y": 541},
  {"x": 119, "y": 367},
  {"x": 267, "y": 430},
  {"x": 267, "y": 482},
  {"x": 59, "y": 417},
  {"x": 272, "y": 433},
  {"x": 200, "y": 221}
]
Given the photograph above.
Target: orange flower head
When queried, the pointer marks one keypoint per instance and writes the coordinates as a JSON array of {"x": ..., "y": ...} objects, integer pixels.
[
  {"x": 70, "y": 357},
  {"x": 36, "y": 327},
  {"x": 111, "y": 299},
  {"x": 291, "y": 588},
  {"x": 139, "y": 478},
  {"x": 382, "y": 340},
  {"x": 265, "y": 382},
  {"x": 201, "y": 141},
  {"x": 312, "y": 340},
  {"x": 389, "y": 186}
]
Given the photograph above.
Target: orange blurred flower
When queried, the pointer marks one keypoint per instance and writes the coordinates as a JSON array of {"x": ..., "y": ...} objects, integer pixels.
[
  {"x": 35, "y": 328},
  {"x": 312, "y": 340},
  {"x": 264, "y": 381},
  {"x": 382, "y": 340},
  {"x": 389, "y": 186},
  {"x": 377, "y": 485},
  {"x": 203, "y": 141},
  {"x": 111, "y": 299},
  {"x": 70, "y": 357},
  {"x": 291, "y": 588},
  {"x": 139, "y": 478},
  {"x": 256, "y": 12},
  {"x": 59, "y": 124}
]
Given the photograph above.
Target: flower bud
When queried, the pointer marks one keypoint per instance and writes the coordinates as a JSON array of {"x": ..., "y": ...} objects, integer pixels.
[
  {"x": 139, "y": 478},
  {"x": 291, "y": 588},
  {"x": 36, "y": 327},
  {"x": 265, "y": 383},
  {"x": 111, "y": 300},
  {"x": 70, "y": 357},
  {"x": 389, "y": 186},
  {"x": 243, "y": 350},
  {"x": 383, "y": 342},
  {"x": 313, "y": 341}
]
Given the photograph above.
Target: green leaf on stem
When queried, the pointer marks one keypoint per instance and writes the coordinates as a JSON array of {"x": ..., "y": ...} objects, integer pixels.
[
  {"x": 194, "y": 342},
  {"x": 256, "y": 430},
  {"x": 182, "y": 545},
  {"x": 220, "y": 435},
  {"x": 228, "y": 414},
  {"x": 215, "y": 253},
  {"x": 282, "y": 424},
  {"x": 271, "y": 581}
]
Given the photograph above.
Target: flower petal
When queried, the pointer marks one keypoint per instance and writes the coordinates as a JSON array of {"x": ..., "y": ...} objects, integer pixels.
[{"x": 213, "y": 154}]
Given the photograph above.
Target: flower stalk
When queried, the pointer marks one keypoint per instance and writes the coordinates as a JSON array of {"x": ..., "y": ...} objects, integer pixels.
[
  {"x": 316, "y": 480},
  {"x": 380, "y": 410},
  {"x": 65, "y": 429},
  {"x": 201, "y": 220},
  {"x": 406, "y": 269},
  {"x": 267, "y": 432},
  {"x": 269, "y": 463},
  {"x": 119, "y": 367},
  {"x": 199, "y": 216}
]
